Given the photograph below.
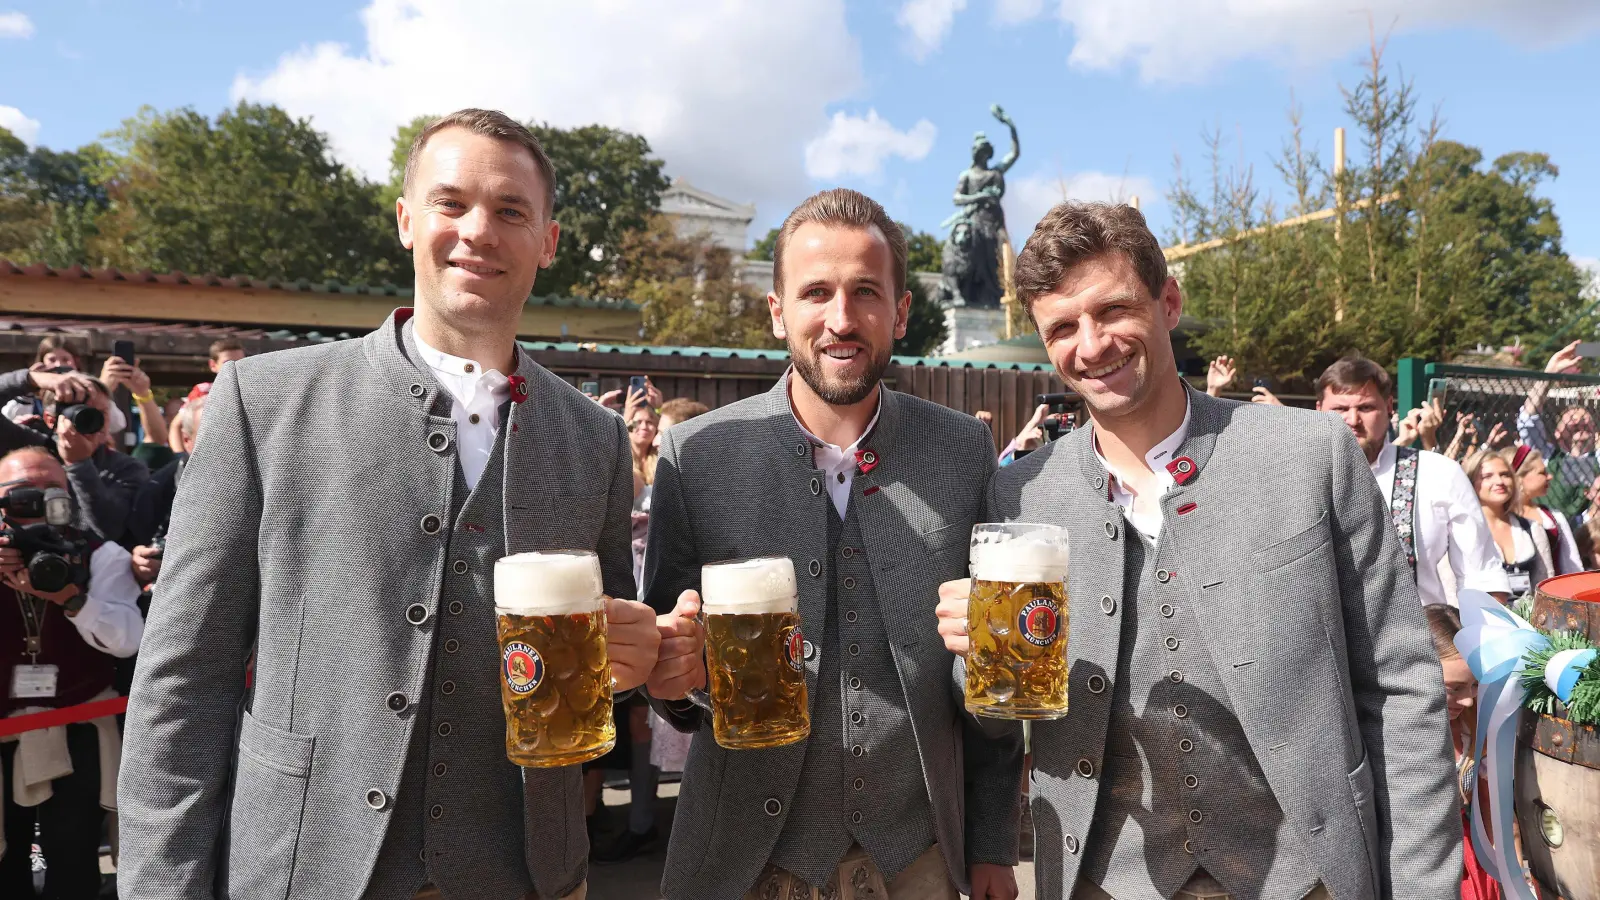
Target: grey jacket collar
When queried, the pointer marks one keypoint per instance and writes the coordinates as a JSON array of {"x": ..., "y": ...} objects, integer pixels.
[
  {"x": 392, "y": 350},
  {"x": 780, "y": 414},
  {"x": 1206, "y": 418}
]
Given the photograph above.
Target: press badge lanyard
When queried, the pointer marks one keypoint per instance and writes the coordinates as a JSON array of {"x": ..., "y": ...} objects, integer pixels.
[{"x": 30, "y": 680}]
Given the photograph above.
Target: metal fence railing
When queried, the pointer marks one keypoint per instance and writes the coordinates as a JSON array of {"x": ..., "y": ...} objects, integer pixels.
[{"x": 1554, "y": 414}]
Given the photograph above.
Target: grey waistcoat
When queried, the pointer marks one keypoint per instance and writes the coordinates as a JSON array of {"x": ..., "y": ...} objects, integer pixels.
[
  {"x": 862, "y": 780},
  {"x": 1182, "y": 789},
  {"x": 429, "y": 800}
]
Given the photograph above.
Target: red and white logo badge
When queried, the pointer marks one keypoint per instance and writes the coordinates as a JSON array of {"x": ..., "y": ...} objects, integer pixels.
[
  {"x": 1040, "y": 622},
  {"x": 522, "y": 667},
  {"x": 794, "y": 646}
]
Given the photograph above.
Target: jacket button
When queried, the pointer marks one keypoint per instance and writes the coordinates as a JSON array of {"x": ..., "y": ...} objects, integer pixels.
[
  {"x": 1099, "y": 482},
  {"x": 858, "y": 751},
  {"x": 1172, "y": 643},
  {"x": 456, "y": 607},
  {"x": 444, "y": 729},
  {"x": 855, "y": 683},
  {"x": 815, "y": 568},
  {"x": 1176, "y": 676},
  {"x": 850, "y": 616},
  {"x": 1108, "y": 605},
  {"x": 856, "y": 817},
  {"x": 855, "y": 718},
  {"x": 855, "y": 649},
  {"x": 1186, "y": 745},
  {"x": 460, "y": 568},
  {"x": 800, "y": 449},
  {"x": 816, "y": 486},
  {"x": 1188, "y": 847},
  {"x": 452, "y": 645},
  {"x": 773, "y": 806},
  {"x": 847, "y": 552},
  {"x": 397, "y": 701},
  {"x": 1071, "y": 844},
  {"x": 416, "y": 614},
  {"x": 1167, "y": 610},
  {"x": 1163, "y": 576},
  {"x": 808, "y": 649},
  {"x": 439, "y": 441},
  {"x": 1086, "y": 768},
  {"x": 849, "y": 585},
  {"x": 1196, "y": 816},
  {"x": 437, "y": 812},
  {"x": 1181, "y": 711},
  {"x": 859, "y": 784},
  {"x": 377, "y": 799},
  {"x": 416, "y": 390},
  {"x": 1111, "y": 530},
  {"x": 449, "y": 687},
  {"x": 1191, "y": 781},
  {"x": 439, "y": 769},
  {"x": 1097, "y": 684},
  {"x": 431, "y": 524}
]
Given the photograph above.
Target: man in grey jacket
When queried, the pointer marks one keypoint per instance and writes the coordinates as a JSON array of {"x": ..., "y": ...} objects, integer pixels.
[
  {"x": 1256, "y": 710},
  {"x": 872, "y": 494},
  {"x": 340, "y": 520}
]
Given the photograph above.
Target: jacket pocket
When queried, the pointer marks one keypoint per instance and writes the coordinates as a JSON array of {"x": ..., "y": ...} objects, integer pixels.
[
  {"x": 1361, "y": 793},
  {"x": 1291, "y": 548},
  {"x": 269, "y": 799}
]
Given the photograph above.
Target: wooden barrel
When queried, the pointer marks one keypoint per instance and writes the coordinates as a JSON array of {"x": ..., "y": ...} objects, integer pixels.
[{"x": 1558, "y": 763}]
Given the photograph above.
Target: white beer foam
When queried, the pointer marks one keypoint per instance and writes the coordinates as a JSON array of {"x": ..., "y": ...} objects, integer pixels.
[
  {"x": 750, "y": 586},
  {"x": 547, "y": 583},
  {"x": 1035, "y": 557}
]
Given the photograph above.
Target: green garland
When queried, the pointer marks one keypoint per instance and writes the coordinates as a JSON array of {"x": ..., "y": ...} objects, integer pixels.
[{"x": 1584, "y": 707}]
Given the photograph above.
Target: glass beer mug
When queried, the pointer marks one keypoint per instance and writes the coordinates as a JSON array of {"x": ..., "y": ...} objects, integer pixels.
[
  {"x": 555, "y": 676},
  {"x": 755, "y": 659},
  {"x": 1017, "y": 619}
]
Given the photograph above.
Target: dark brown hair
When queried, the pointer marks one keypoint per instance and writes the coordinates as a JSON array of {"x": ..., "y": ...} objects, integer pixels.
[
  {"x": 842, "y": 208},
  {"x": 489, "y": 123},
  {"x": 223, "y": 345},
  {"x": 1443, "y": 623},
  {"x": 51, "y": 342},
  {"x": 1353, "y": 373},
  {"x": 1072, "y": 233}
]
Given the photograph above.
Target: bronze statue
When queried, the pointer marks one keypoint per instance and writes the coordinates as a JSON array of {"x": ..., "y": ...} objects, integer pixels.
[{"x": 971, "y": 263}]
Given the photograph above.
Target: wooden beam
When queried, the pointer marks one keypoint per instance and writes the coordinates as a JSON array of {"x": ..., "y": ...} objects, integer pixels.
[{"x": 1182, "y": 250}]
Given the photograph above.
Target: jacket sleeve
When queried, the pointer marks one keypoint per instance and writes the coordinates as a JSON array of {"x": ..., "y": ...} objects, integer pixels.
[
  {"x": 15, "y": 384},
  {"x": 183, "y": 711},
  {"x": 671, "y": 563},
  {"x": 105, "y": 485},
  {"x": 992, "y": 749},
  {"x": 1397, "y": 686},
  {"x": 616, "y": 536}
]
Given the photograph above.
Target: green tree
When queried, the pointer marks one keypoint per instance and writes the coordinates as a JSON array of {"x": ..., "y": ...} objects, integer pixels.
[
  {"x": 607, "y": 184},
  {"x": 254, "y": 192},
  {"x": 924, "y": 252},
  {"x": 764, "y": 247},
  {"x": 50, "y": 201},
  {"x": 1429, "y": 252}
]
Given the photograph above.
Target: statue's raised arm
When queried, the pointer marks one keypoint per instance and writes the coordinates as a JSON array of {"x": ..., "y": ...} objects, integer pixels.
[{"x": 1016, "y": 147}]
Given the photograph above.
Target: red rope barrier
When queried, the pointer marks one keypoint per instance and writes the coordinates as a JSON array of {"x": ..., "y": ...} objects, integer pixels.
[{"x": 70, "y": 715}]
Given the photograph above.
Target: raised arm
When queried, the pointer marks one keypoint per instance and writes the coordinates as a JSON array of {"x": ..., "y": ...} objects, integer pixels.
[{"x": 1010, "y": 159}]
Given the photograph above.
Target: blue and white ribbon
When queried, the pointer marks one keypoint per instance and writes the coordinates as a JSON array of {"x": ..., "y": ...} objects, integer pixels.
[{"x": 1495, "y": 641}]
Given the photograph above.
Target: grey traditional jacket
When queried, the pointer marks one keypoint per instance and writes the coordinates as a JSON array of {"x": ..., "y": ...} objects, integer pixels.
[
  {"x": 1277, "y": 545},
  {"x": 314, "y": 525},
  {"x": 740, "y": 482}
]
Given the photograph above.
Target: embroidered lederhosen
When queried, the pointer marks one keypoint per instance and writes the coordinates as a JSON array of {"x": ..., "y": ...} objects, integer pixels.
[{"x": 1403, "y": 502}]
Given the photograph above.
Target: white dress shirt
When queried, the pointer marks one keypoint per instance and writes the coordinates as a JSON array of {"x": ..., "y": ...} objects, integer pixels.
[
  {"x": 109, "y": 619},
  {"x": 838, "y": 464},
  {"x": 476, "y": 410},
  {"x": 1148, "y": 520},
  {"x": 1449, "y": 524}
]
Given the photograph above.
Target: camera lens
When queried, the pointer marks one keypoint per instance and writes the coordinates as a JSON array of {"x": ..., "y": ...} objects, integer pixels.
[
  {"x": 49, "y": 573},
  {"x": 86, "y": 419}
]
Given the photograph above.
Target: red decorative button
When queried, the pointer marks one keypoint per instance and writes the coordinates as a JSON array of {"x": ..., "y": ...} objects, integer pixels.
[
  {"x": 1182, "y": 469},
  {"x": 519, "y": 388},
  {"x": 866, "y": 461}
]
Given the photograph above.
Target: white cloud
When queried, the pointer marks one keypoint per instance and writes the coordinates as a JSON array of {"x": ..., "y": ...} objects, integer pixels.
[
  {"x": 1010, "y": 12},
  {"x": 927, "y": 23},
  {"x": 727, "y": 92},
  {"x": 15, "y": 25},
  {"x": 1183, "y": 41},
  {"x": 1028, "y": 198},
  {"x": 26, "y": 129},
  {"x": 856, "y": 145}
]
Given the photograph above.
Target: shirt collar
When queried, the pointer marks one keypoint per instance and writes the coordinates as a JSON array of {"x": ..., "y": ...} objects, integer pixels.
[
  {"x": 1385, "y": 461},
  {"x": 834, "y": 450},
  {"x": 462, "y": 370},
  {"x": 1161, "y": 454}
]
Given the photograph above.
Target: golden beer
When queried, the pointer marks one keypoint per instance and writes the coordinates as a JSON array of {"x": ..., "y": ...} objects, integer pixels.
[
  {"x": 755, "y": 654},
  {"x": 555, "y": 676},
  {"x": 1017, "y": 618}
]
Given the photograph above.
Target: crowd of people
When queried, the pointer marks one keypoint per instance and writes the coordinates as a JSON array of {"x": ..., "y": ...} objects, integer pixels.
[{"x": 309, "y": 714}]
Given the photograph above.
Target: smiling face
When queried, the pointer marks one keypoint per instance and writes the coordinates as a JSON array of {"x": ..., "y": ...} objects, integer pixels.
[
  {"x": 1495, "y": 482},
  {"x": 1107, "y": 337},
  {"x": 839, "y": 313},
  {"x": 478, "y": 226}
]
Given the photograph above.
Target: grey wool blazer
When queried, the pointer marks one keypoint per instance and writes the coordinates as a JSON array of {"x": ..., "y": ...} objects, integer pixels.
[
  {"x": 304, "y": 529},
  {"x": 739, "y": 482},
  {"x": 1311, "y": 618}
]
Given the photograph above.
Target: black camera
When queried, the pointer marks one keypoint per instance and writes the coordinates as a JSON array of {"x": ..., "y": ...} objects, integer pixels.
[
  {"x": 1059, "y": 420},
  {"x": 55, "y": 553}
]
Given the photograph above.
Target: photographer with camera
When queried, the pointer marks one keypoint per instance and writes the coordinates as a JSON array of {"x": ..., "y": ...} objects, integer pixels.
[{"x": 66, "y": 609}]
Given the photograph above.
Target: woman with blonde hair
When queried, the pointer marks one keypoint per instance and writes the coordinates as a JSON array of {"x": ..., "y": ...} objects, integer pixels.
[
  {"x": 1533, "y": 484},
  {"x": 1524, "y": 548}
]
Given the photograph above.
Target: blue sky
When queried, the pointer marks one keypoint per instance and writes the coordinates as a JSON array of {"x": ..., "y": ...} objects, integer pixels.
[{"x": 764, "y": 102}]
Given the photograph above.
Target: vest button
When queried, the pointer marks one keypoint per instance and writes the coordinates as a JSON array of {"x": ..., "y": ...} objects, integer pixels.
[
  {"x": 773, "y": 806},
  {"x": 449, "y": 687},
  {"x": 1111, "y": 530},
  {"x": 439, "y": 441},
  {"x": 816, "y": 485},
  {"x": 1108, "y": 605},
  {"x": 859, "y": 784},
  {"x": 439, "y": 769},
  {"x": 808, "y": 649},
  {"x": 849, "y": 584},
  {"x": 1097, "y": 684},
  {"x": 847, "y": 552},
  {"x": 452, "y": 645},
  {"x": 815, "y": 568},
  {"x": 1172, "y": 643},
  {"x": 1071, "y": 845},
  {"x": 1163, "y": 576},
  {"x": 1181, "y": 711},
  {"x": 856, "y": 817},
  {"x": 1086, "y": 768},
  {"x": 1167, "y": 609},
  {"x": 858, "y": 751},
  {"x": 800, "y": 449},
  {"x": 850, "y": 616},
  {"x": 1188, "y": 847},
  {"x": 397, "y": 701},
  {"x": 1191, "y": 781},
  {"x": 855, "y": 649},
  {"x": 1186, "y": 745},
  {"x": 416, "y": 390},
  {"x": 444, "y": 729},
  {"x": 1196, "y": 816},
  {"x": 855, "y": 718},
  {"x": 416, "y": 614},
  {"x": 431, "y": 524},
  {"x": 437, "y": 812},
  {"x": 456, "y": 607},
  {"x": 855, "y": 683},
  {"x": 1176, "y": 676},
  {"x": 460, "y": 567},
  {"x": 377, "y": 799},
  {"x": 1099, "y": 482}
]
